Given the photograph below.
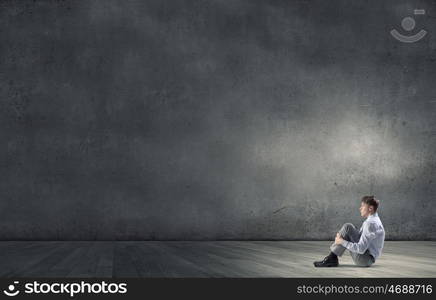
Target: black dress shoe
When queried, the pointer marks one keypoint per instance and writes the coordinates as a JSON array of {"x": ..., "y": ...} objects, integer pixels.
[{"x": 327, "y": 262}]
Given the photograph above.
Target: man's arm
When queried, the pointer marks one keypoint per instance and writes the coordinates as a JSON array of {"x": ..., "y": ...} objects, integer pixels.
[{"x": 368, "y": 234}]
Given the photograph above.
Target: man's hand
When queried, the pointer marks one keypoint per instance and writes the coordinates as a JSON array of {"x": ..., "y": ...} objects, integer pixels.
[{"x": 338, "y": 239}]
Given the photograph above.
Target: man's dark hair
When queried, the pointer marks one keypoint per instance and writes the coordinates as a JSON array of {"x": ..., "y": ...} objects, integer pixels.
[{"x": 371, "y": 201}]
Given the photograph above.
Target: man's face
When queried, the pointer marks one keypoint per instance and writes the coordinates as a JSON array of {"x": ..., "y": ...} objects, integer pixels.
[{"x": 365, "y": 210}]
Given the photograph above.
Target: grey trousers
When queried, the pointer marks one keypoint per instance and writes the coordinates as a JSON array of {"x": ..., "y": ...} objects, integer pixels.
[{"x": 350, "y": 233}]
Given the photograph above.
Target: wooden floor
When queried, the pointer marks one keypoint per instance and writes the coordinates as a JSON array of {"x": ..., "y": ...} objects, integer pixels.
[{"x": 205, "y": 259}]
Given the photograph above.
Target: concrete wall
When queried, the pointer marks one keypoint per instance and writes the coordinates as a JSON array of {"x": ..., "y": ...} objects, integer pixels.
[{"x": 214, "y": 119}]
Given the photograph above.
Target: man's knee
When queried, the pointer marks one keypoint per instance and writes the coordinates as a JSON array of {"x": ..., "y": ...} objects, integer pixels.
[{"x": 348, "y": 226}]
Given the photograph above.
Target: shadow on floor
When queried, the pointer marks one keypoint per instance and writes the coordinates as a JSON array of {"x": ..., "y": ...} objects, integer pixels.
[{"x": 356, "y": 267}]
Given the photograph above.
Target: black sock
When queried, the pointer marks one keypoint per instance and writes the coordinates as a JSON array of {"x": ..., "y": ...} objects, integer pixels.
[{"x": 332, "y": 255}]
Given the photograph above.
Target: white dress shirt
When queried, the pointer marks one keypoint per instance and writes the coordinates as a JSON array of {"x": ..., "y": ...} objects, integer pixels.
[{"x": 372, "y": 237}]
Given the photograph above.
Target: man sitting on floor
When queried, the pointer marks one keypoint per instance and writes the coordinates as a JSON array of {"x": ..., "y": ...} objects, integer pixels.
[{"x": 365, "y": 245}]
